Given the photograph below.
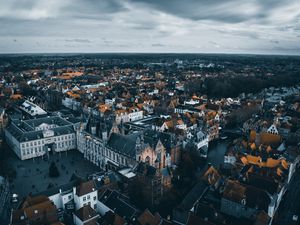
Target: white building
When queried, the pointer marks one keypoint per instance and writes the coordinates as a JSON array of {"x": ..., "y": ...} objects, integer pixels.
[
  {"x": 32, "y": 109},
  {"x": 39, "y": 137},
  {"x": 85, "y": 194},
  {"x": 130, "y": 115},
  {"x": 71, "y": 103}
]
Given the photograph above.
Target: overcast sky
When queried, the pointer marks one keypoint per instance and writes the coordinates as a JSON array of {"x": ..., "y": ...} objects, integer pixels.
[{"x": 197, "y": 26}]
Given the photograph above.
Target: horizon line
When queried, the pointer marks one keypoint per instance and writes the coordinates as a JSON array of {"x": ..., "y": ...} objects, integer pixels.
[{"x": 148, "y": 53}]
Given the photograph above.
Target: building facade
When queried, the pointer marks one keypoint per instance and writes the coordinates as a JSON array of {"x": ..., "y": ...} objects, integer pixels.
[{"x": 40, "y": 137}]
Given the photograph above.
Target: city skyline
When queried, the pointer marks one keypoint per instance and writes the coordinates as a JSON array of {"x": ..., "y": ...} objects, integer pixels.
[{"x": 255, "y": 27}]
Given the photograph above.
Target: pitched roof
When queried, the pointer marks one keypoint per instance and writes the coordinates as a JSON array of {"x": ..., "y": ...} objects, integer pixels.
[
  {"x": 25, "y": 130},
  {"x": 124, "y": 144},
  {"x": 111, "y": 218},
  {"x": 86, "y": 213},
  {"x": 85, "y": 188},
  {"x": 194, "y": 195},
  {"x": 147, "y": 218},
  {"x": 193, "y": 220},
  {"x": 117, "y": 202},
  {"x": 36, "y": 208},
  {"x": 245, "y": 194}
]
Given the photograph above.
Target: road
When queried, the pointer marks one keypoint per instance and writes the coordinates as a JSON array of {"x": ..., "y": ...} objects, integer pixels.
[{"x": 291, "y": 203}]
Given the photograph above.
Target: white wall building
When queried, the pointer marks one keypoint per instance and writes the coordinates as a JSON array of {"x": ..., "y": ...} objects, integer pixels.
[
  {"x": 39, "y": 137},
  {"x": 85, "y": 194},
  {"x": 32, "y": 109}
]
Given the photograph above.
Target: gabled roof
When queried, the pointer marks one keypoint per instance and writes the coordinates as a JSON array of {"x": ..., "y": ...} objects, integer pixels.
[
  {"x": 85, "y": 188},
  {"x": 195, "y": 220},
  {"x": 86, "y": 213},
  {"x": 39, "y": 207},
  {"x": 111, "y": 218},
  {"x": 194, "y": 195},
  {"x": 123, "y": 144},
  {"x": 147, "y": 218},
  {"x": 118, "y": 204},
  {"x": 25, "y": 130},
  {"x": 248, "y": 195}
]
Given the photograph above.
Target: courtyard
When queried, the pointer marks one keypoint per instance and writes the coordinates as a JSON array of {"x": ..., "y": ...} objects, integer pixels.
[{"x": 32, "y": 176}]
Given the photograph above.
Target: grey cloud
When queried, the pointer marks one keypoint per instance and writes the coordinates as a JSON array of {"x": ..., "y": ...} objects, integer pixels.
[
  {"x": 274, "y": 41},
  {"x": 158, "y": 45},
  {"x": 44, "y": 9},
  {"x": 231, "y": 11},
  {"x": 241, "y": 33},
  {"x": 78, "y": 40},
  {"x": 95, "y": 9},
  {"x": 149, "y": 25}
]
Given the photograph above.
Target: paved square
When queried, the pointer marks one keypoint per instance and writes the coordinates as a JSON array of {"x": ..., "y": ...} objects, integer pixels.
[{"x": 32, "y": 176}]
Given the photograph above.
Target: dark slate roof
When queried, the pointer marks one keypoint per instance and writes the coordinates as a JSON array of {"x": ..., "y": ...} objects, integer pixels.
[
  {"x": 152, "y": 137},
  {"x": 102, "y": 124},
  {"x": 194, "y": 195},
  {"x": 180, "y": 216},
  {"x": 181, "y": 213},
  {"x": 116, "y": 202},
  {"x": 25, "y": 130},
  {"x": 123, "y": 144},
  {"x": 86, "y": 213}
]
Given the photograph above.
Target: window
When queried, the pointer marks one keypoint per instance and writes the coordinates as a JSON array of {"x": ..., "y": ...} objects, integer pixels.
[
  {"x": 89, "y": 203},
  {"x": 94, "y": 198},
  {"x": 95, "y": 206},
  {"x": 88, "y": 197},
  {"x": 84, "y": 199},
  {"x": 69, "y": 197},
  {"x": 27, "y": 145}
]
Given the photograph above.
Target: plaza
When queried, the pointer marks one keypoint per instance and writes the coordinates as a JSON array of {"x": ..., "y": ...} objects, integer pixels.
[{"x": 32, "y": 176}]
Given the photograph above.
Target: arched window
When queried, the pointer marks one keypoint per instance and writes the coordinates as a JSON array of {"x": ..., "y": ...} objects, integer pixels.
[{"x": 147, "y": 160}]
